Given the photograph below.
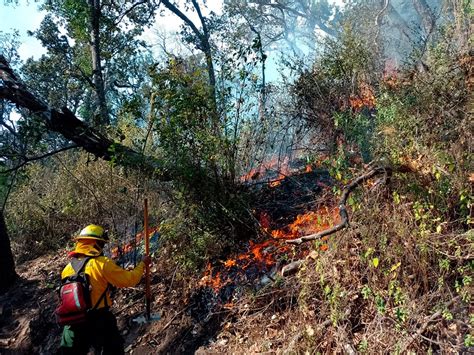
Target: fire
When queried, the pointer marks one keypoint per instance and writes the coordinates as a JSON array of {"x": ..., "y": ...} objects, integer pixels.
[
  {"x": 365, "y": 98},
  {"x": 273, "y": 165},
  {"x": 277, "y": 182},
  {"x": 308, "y": 223},
  {"x": 264, "y": 220},
  {"x": 126, "y": 248},
  {"x": 263, "y": 256}
]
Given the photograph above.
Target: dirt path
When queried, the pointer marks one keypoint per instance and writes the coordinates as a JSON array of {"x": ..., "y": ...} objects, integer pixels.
[
  {"x": 27, "y": 323},
  {"x": 28, "y": 326}
]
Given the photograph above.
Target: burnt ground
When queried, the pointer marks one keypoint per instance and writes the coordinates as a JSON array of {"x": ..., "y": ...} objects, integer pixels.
[
  {"x": 295, "y": 194},
  {"x": 27, "y": 323},
  {"x": 193, "y": 318}
]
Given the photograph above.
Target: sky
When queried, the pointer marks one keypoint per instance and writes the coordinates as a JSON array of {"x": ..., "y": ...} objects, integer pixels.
[
  {"x": 23, "y": 17},
  {"x": 26, "y": 16}
]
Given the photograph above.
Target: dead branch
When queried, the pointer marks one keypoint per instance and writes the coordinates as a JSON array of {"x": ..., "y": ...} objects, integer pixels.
[
  {"x": 342, "y": 206},
  {"x": 291, "y": 268},
  {"x": 70, "y": 127},
  {"x": 426, "y": 323},
  {"x": 174, "y": 317},
  {"x": 26, "y": 159}
]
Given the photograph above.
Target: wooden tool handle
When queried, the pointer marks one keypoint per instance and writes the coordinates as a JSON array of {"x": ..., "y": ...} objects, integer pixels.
[{"x": 147, "y": 267}]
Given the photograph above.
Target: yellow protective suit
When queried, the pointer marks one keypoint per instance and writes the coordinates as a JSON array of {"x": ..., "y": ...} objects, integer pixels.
[{"x": 103, "y": 271}]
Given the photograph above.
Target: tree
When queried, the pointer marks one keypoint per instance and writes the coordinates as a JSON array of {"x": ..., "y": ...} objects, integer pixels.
[
  {"x": 202, "y": 39},
  {"x": 7, "y": 264},
  {"x": 69, "y": 126},
  {"x": 64, "y": 122},
  {"x": 99, "y": 36},
  {"x": 294, "y": 22},
  {"x": 9, "y": 144}
]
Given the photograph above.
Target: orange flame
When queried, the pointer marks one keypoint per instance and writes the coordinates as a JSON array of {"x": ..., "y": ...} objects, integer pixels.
[
  {"x": 365, "y": 98},
  {"x": 274, "y": 164},
  {"x": 264, "y": 220},
  {"x": 308, "y": 223},
  {"x": 265, "y": 254},
  {"x": 128, "y": 247},
  {"x": 277, "y": 182}
]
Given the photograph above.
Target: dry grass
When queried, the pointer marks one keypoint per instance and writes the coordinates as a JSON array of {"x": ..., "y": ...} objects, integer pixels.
[{"x": 342, "y": 301}]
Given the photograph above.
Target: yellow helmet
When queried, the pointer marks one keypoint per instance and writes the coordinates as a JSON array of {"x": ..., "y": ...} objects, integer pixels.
[{"x": 93, "y": 231}]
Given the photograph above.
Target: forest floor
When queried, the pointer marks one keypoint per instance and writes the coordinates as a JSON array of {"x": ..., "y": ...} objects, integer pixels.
[
  {"x": 28, "y": 326},
  {"x": 187, "y": 323},
  {"x": 244, "y": 304},
  {"x": 197, "y": 315}
]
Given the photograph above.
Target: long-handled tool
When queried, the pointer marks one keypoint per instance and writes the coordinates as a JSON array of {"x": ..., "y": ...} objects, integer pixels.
[
  {"x": 147, "y": 270},
  {"x": 148, "y": 316}
]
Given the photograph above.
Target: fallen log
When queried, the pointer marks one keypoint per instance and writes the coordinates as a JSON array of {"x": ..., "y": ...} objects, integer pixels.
[
  {"x": 65, "y": 122},
  {"x": 342, "y": 206}
]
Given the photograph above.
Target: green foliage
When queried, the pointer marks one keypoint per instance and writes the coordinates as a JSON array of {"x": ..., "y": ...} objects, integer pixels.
[
  {"x": 186, "y": 130},
  {"x": 346, "y": 70},
  {"x": 189, "y": 137},
  {"x": 9, "y": 43},
  {"x": 358, "y": 128},
  {"x": 63, "y": 194}
]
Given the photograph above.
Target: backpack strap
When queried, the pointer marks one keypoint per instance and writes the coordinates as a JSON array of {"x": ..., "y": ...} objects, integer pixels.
[
  {"x": 79, "y": 264},
  {"x": 102, "y": 297}
]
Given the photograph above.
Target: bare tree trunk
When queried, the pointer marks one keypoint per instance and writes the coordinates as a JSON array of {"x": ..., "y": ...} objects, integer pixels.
[
  {"x": 7, "y": 264},
  {"x": 101, "y": 116},
  {"x": 427, "y": 17},
  {"x": 203, "y": 45},
  {"x": 463, "y": 26},
  {"x": 207, "y": 50}
]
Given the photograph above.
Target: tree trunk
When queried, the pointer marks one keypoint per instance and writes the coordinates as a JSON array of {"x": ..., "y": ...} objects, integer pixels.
[
  {"x": 204, "y": 45},
  {"x": 101, "y": 116},
  {"x": 7, "y": 264},
  {"x": 428, "y": 20},
  {"x": 72, "y": 128}
]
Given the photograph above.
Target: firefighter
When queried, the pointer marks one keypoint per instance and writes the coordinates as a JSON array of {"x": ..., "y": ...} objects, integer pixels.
[{"x": 100, "y": 330}]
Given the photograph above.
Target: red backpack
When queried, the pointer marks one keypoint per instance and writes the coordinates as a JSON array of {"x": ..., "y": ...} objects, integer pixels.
[{"x": 74, "y": 296}]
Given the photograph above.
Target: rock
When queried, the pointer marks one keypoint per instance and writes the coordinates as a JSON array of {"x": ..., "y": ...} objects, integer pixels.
[
  {"x": 223, "y": 341},
  {"x": 128, "y": 348}
]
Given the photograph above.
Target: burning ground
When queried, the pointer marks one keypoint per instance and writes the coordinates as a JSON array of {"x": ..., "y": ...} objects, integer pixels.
[
  {"x": 192, "y": 317},
  {"x": 269, "y": 296}
]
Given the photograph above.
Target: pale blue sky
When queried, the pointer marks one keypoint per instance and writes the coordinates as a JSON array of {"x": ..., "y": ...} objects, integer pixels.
[
  {"x": 26, "y": 16},
  {"x": 23, "y": 17}
]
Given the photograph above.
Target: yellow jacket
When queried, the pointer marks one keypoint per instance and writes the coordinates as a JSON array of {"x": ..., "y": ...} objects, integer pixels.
[{"x": 103, "y": 271}]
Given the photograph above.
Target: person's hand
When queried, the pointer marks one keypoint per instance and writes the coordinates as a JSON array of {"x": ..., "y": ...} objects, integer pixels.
[{"x": 147, "y": 260}]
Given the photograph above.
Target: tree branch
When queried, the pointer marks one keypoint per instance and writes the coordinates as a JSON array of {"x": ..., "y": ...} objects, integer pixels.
[
  {"x": 84, "y": 76},
  {"x": 129, "y": 10},
  {"x": 7, "y": 194},
  {"x": 182, "y": 16},
  {"x": 412, "y": 337},
  {"x": 201, "y": 17},
  {"x": 72, "y": 128},
  {"x": 7, "y": 127},
  {"x": 281, "y": 7},
  {"x": 342, "y": 206},
  {"x": 27, "y": 160}
]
